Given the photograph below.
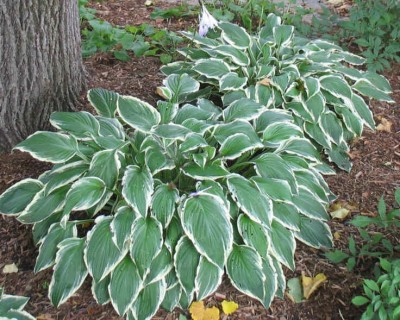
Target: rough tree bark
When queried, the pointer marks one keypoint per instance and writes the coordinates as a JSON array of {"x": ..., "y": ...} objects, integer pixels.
[{"x": 41, "y": 68}]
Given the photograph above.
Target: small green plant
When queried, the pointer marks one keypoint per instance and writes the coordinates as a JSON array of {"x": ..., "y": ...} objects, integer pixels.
[
  {"x": 376, "y": 243},
  {"x": 383, "y": 294},
  {"x": 309, "y": 78},
  {"x": 11, "y": 307},
  {"x": 144, "y": 40},
  {"x": 375, "y": 27}
]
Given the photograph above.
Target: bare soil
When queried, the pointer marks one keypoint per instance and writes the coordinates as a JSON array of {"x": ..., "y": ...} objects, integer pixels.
[{"x": 376, "y": 172}]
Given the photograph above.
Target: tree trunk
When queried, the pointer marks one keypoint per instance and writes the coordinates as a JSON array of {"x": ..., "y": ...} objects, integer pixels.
[{"x": 41, "y": 68}]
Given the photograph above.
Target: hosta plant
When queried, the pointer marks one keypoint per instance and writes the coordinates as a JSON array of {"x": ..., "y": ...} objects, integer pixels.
[
  {"x": 155, "y": 205},
  {"x": 313, "y": 79},
  {"x": 12, "y": 307}
]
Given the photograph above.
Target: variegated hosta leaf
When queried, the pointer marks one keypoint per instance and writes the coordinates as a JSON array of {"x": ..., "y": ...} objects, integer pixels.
[
  {"x": 186, "y": 261},
  {"x": 111, "y": 127},
  {"x": 205, "y": 220},
  {"x": 211, "y": 68},
  {"x": 309, "y": 204},
  {"x": 250, "y": 200},
  {"x": 125, "y": 285},
  {"x": 100, "y": 290},
  {"x": 138, "y": 114},
  {"x": 64, "y": 175},
  {"x": 283, "y": 35},
  {"x": 15, "y": 199},
  {"x": 163, "y": 203},
  {"x": 235, "y": 35},
  {"x": 234, "y": 146},
  {"x": 48, "y": 247},
  {"x": 276, "y": 133},
  {"x": 275, "y": 189},
  {"x": 236, "y": 55},
  {"x": 173, "y": 234},
  {"x": 224, "y": 131},
  {"x": 147, "y": 240},
  {"x": 9, "y": 302},
  {"x": 245, "y": 270},
  {"x": 192, "y": 142},
  {"x": 231, "y": 81},
  {"x": 160, "y": 266},
  {"x": 84, "y": 194},
  {"x": 104, "y": 101},
  {"x": 254, "y": 234},
  {"x": 363, "y": 111},
  {"x": 121, "y": 227},
  {"x": 365, "y": 87},
  {"x": 314, "y": 233},
  {"x": 41, "y": 229},
  {"x": 337, "y": 86},
  {"x": 270, "y": 283},
  {"x": 209, "y": 171},
  {"x": 171, "y": 298},
  {"x": 270, "y": 165},
  {"x": 271, "y": 116},
  {"x": 243, "y": 109},
  {"x": 180, "y": 85},
  {"x": 287, "y": 215},
  {"x": 283, "y": 244},
  {"x": 105, "y": 165},
  {"x": 81, "y": 125},
  {"x": 101, "y": 253},
  {"x": 70, "y": 270},
  {"x": 208, "y": 278},
  {"x": 332, "y": 126},
  {"x": 137, "y": 188},
  {"x": 301, "y": 147},
  {"x": 43, "y": 206},
  {"x": 149, "y": 300},
  {"x": 172, "y": 131},
  {"x": 49, "y": 146}
]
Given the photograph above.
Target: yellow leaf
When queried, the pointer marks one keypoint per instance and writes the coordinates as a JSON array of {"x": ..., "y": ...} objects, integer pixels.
[
  {"x": 229, "y": 307},
  {"x": 211, "y": 314},
  {"x": 340, "y": 214},
  {"x": 311, "y": 284},
  {"x": 337, "y": 235},
  {"x": 199, "y": 312}
]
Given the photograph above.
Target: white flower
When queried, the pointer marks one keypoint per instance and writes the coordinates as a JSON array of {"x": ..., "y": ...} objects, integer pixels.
[{"x": 207, "y": 21}]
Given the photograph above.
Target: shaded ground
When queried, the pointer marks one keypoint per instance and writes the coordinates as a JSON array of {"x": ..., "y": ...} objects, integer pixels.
[{"x": 376, "y": 172}]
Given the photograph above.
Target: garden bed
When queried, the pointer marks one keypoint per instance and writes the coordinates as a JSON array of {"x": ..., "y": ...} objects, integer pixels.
[{"x": 375, "y": 172}]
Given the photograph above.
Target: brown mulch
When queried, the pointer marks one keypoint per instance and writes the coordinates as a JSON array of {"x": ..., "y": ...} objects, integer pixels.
[{"x": 376, "y": 172}]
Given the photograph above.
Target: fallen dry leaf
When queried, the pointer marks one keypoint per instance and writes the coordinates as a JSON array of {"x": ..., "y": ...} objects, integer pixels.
[
  {"x": 229, "y": 307},
  {"x": 311, "y": 284},
  {"x": 199, "y": 312},
  {"x": 10, "y": 268},
  {"x": 385, "y": 125},
  {"x": 336, "y": 235},
  {"x": 265, "y": 82},
  {"x": 340, "y": 214}
]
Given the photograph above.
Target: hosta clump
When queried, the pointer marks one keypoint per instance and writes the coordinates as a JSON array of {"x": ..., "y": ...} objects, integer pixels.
[
  {"x": 156, "y": 205},
  {"x": 12, "y": 307},
  {"x": 314, "y": 79}
]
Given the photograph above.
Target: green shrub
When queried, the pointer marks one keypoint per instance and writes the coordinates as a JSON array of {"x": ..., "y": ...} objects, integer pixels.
[
  {"x": 382, "y": 295},
  {"x": 375, "y": 26},
  {"x": 11, "y": 307},
  {"x": 155, "y": 205},
  {"x": 313, "y": 80}
]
